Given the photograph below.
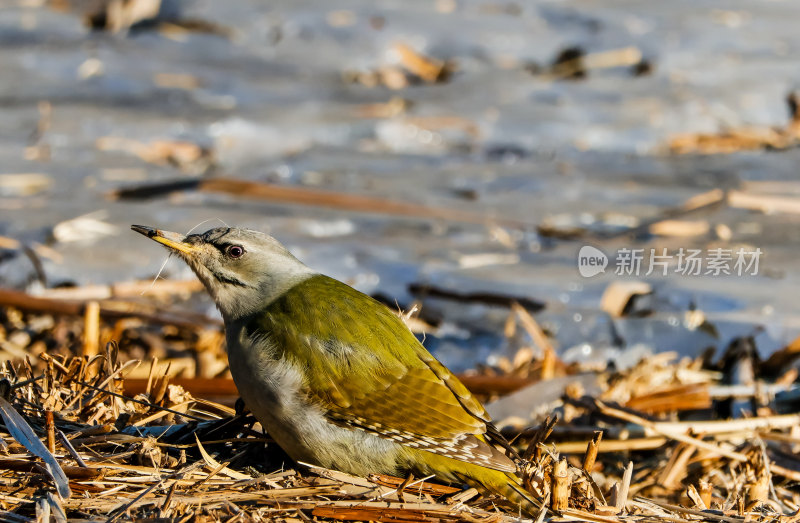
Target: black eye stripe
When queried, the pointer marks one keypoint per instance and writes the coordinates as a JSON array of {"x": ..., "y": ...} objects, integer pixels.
[{"x": 231, "y": 281}]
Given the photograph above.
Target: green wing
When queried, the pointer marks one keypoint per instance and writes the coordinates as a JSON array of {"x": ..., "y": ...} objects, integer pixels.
[{"x": 369, "y": 372}]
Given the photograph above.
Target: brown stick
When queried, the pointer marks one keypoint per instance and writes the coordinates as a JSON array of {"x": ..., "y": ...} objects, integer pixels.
[
  {"x": 591, "y": 452},
  {"x": 317, "y": 198},
  {"x": 784, "y": 472},
  {"x": 148, "y": 388},
  {"x": 559, "y": 498},
  {"x": 764, "y": 202},
  {"x": 23, "y": 301},
  {"x": 22, "y": 465},
  {"x": 549, "y": 360},
  {"x": 26, "y": 302},
  {"x": 425, "y": 488},
  {"x": 652, "y": 428},
  {"x": 704, "y": 490},
  {"x": 160, "y": 386},
  {"x": 357, "y": 513},
  {"x": 350, "y": 202},
  {"x": 427, "y": 68},
  {"x": 782, "y": 358},
  {"x": 614, "y": 445},
  {"x": 532, "y": 327},
  {"x": 694, "y": 396},
  {"x": 625, "y": 486},
  {"x": 126, "y": 289},
  {"x": 50, "y": 427},
  {"x": 706, "y": 201},
  {"x": 675, "y": 470},
  {"x": 485, "y": 298},
  {"x": 613, "y": 496},
  {"x": 91, "y": 329}
]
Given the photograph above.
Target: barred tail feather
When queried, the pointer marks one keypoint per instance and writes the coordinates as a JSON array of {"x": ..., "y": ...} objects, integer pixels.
[
  {"x": 508, "y": 486},
  {"x": 487, "y": 480},
  {"x": 513, "y": 490}
]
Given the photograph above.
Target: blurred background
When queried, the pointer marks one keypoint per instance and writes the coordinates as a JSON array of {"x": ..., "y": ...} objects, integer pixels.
[{"x": 453, "y": 155}]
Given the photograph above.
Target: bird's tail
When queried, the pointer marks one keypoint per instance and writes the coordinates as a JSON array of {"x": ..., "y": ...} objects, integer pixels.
[
  {"x": 503, "y": 483},
  {"x": 509, "y": 486}
]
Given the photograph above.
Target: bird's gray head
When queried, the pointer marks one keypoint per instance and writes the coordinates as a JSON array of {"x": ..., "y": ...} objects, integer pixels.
[{"x": 243, "y": 270}]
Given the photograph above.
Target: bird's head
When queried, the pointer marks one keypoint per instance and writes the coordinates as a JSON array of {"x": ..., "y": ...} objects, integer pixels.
[{"x": 242, "y": 270}]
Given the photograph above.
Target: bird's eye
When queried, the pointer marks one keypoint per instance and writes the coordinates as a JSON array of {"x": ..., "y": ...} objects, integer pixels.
[{"x": 234, "y": 251}]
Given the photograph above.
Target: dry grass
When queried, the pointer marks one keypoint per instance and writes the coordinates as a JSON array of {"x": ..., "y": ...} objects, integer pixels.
[{"x": 79, "y": 443}]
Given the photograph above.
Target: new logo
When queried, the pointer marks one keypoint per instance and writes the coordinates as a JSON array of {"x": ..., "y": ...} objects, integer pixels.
[{"x": 591, "y": 261}]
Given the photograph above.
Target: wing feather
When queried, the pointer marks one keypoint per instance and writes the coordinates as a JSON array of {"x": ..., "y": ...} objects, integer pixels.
[{"x": 372, "y": 374}]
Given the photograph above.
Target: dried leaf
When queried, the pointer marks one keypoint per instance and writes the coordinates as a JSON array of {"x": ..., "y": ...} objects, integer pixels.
[
  {"x": 214, "y": 464},
  {"x": 23, "y": 433}
]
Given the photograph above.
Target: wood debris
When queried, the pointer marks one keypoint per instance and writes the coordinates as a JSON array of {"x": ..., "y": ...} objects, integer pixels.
[
  {"x": 744, "y": 138},
  {"x": 411, "y": 67},
  {"x": 574, "y": 63},
  {"x": 187, "y": 156},
  {"x": 618, "y": 297},
  {"x": 669, "y": 222},
  {"x": 80, "y": 438},
  {"x": 294, "y": 195},
  {"x": 24, "y": 184},
  {"x": 680, "y": 228},
  {"x": 123, "y": 16}
]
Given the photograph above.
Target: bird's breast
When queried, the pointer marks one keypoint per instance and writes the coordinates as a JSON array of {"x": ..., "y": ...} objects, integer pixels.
[
  {"x": 274, "y": 391},
  {"x": 271, "y": 386}
]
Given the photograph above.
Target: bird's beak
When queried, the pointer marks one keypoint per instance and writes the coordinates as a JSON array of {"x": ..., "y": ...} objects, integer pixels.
[{"x": 173, "y": 240}]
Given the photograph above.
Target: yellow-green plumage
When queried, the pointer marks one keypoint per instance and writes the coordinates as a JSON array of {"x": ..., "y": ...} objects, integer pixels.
[{"x": 336, "y": 378}]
